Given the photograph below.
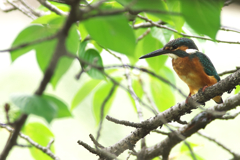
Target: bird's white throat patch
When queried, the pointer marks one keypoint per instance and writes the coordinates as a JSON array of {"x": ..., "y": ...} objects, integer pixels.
[
  {"x": 191, "y": 51},
  {"x": 174, "y": 56}
]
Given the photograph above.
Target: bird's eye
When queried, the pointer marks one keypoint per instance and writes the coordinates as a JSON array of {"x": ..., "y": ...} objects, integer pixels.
[{"x": 174, "y": 46}]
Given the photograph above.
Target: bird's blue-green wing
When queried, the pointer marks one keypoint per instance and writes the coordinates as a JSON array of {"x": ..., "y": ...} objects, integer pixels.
[{"x": 207, "y": 65}]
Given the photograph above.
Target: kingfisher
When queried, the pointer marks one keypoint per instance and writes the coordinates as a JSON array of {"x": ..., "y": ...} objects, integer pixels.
[{"x": 192, "y": 66}]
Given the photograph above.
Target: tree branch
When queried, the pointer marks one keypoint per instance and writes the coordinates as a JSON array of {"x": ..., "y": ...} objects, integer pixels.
[
  {"x": 151, "y": 24},
  {"x": 30, "y": 43},
  {"x": 229, "y": 72},
  {"x": 52, "y": 8},
  {"x": 235, "y": 155},
  {"x": 35, "y": 144},
  {"x": 59, "y": 51},
  {"x": 198, "y": 122},
  {"x": 102, "y": 110},
  {"x": 178, "y": 110}
]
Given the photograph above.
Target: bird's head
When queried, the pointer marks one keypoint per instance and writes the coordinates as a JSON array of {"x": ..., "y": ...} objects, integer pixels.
[{"x": 180, "y": 47}]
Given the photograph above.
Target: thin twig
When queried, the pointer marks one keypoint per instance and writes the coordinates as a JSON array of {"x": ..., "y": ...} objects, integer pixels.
[
  {"x": 235, "y": 155},
  {"x": 22, "y": 10},
  {"x": 30, "y": 43},
  {"x": 147, "y": 96},
  {"x": 129, "y": 155},
  {"x": 33, "y": 143},
  {"x": 102, "y": 110},
  {"x": 52, "y": 7},
  {"x": 151, "y": 73},
  {"x": 129, "y": 84},
  {"x": 99, "y": 152},
  {"x": 144, "y": 34},
  {"x": 151, "y": 24},
  {"x": 160, "y": 132},
  {"x": 230, "y": 29},
  {"x": 227, "y": 117},
  {"x": 229, "y": 72},
  {"x": 95, "y": 141},
  {"x": 126, "y": 123},
  {"x": 32, "y": 10}
]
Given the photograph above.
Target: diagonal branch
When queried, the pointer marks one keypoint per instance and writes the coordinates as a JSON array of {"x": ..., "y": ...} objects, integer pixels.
[
  {"x": 102, "y": 110},
  {"x": 52, "y": 8},
  {"x": 178, "y": 110},
  {"x": 235, "y": 155},
  {"x": 198, "y": 122},
  {"x": 151, "y": 24}
]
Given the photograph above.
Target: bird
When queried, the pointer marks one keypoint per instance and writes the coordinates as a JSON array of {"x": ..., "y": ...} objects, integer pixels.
[{"x": 192, "y": 66}]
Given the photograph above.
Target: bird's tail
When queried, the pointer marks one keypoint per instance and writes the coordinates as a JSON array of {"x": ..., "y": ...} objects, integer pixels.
[{"x": 218, "y": 99}]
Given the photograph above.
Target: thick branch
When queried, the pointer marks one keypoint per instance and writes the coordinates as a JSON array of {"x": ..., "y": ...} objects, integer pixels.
[
  {"x": 175, "y": 112},
  {"x": 200, "y": 121}
]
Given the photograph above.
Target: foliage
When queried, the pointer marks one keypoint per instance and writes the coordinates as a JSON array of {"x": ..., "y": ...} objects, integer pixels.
[{"x": 114, "y": 32}]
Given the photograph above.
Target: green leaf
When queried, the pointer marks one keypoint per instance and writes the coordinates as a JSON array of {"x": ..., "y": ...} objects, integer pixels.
[
  {"x": 143, "y": 4},
  {"x": 83, "y": 31},
  {"x": 72, "y": 40},
  {"x": 99, "y": 48},
  {"x": 112, "y": 32},
  {"x": 162, "y": 93},
  {"x": 139, "y": 48},
  {"x": 151, "y": 44},
  {"x": 81, "y": 49},
  {"x": 178, "y": 20},
  {"x": 62, "y": 67},
  {"x": 33, "y": 104},
  {"x": 185, "y": 150},
  {"x": 45, "y": 50},
  {"x": 92, "y": 56},
  {"x": 63, "y": 110},
  {"x": 61, "y": 6},
  {"x": 98, "y": 99},
  {"x": 237, "y": 89},
  {"x": 203, "y": 16},
  {"x": 165, "y": 16},
  {"x": 160, "y": 34},
  {"x": 40, "y": 134},
  {"x": 44, "y": 53},
  {"x": 83, "y": 92},
  {"x": 26, "y": 36},
  {"x": 184, "y": 147},
  {"x": 45, "y": 19}
]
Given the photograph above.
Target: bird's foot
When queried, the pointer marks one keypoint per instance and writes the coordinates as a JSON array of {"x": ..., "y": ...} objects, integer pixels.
[
  {"x": 203, "y": 89},
  {"x": 189, "y": 95}
]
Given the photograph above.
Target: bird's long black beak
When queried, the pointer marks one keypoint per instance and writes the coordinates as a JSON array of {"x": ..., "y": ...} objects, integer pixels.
[{"x": 154, "y": 53}]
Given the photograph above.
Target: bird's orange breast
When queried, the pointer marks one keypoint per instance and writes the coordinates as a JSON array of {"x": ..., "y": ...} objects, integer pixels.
[{"x": 192, "y": 73}]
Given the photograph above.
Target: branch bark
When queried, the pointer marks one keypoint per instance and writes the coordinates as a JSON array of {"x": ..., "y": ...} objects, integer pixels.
[
  {"x": 175, "y": 112},
  {"x": 198, "y": 122}
]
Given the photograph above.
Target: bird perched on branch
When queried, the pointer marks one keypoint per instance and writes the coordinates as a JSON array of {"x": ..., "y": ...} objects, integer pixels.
[{"x": 192, "y": 66}]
